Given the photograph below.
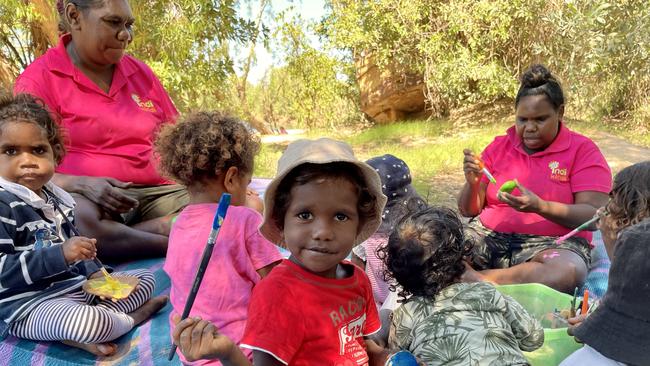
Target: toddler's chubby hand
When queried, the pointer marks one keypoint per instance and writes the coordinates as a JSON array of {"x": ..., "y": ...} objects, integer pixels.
[
  {"x": 79, "y": 248},
  {"x": 199, "y": 339},
  {"x": 574, "y": 322}
]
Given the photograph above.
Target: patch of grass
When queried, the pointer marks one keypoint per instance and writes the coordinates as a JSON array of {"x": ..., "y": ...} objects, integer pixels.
[{"x": 430, "y": 148}]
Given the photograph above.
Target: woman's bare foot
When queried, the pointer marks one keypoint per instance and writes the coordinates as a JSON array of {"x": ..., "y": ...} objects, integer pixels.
[
  {"x": 149, "y": 308},
  {"x": 97, "y": 349}
]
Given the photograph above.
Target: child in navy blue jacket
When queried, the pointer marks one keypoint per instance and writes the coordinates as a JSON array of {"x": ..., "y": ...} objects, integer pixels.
[{"x": 42, "y": 266}]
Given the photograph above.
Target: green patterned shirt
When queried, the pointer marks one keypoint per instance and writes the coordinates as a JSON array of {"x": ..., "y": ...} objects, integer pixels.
[{"x": 467, "y": 324}]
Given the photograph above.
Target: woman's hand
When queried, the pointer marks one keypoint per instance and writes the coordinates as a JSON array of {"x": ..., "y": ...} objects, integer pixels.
[
  {"x": 471, "y": 168},
  {"x": 528, "y": 201},
  {"x": 104, "y": 192},
  {"x": 79, "y": 248},
  {"x": 199, "y": 339}
]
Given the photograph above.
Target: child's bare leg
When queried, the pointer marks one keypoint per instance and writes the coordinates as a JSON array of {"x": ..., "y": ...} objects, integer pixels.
[
  {"x": 97, "y": 349},
  {"x": 148, "y": 309},
  {"x": 560, "y": 269}
]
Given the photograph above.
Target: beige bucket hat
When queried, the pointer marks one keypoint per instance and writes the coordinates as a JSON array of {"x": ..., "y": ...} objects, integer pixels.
[{"x": 321, "y": 151}]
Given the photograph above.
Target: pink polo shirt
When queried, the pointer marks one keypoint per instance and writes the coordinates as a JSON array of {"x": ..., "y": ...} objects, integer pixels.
[
  {"x": 106, "y": 134},
  {"x": 571, "y": 164}
]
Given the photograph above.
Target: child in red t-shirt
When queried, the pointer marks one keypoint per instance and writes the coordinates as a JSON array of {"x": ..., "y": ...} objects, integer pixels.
[{"x": 314, "y": 308}]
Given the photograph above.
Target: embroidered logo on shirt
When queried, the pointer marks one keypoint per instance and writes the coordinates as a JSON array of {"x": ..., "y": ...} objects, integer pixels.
[
  {"x": 44, "y": 238},
  {"x": 145, "y": 106},
  {"x": 557, "y": 173}
]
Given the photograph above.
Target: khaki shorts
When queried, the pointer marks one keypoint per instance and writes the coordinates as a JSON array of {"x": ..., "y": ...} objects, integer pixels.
[
  {"x": 494, "y": 250},
  {"x": 154, "y": 202}
]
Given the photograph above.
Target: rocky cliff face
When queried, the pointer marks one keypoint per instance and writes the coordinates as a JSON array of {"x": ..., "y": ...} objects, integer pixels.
[{"x": 389, "y": 94}]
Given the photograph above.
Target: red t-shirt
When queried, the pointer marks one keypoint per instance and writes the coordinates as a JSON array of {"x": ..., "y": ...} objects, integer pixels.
[
  {"x": 303, "y": 319},
  {"x": 571, "y": 164},
  {"x": 107, "y": 134}
]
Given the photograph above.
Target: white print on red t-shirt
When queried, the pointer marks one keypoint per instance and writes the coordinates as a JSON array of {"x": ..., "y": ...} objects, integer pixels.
[
  {"x": 350, "y": 335},
  {"x": 348, "y": 311}
]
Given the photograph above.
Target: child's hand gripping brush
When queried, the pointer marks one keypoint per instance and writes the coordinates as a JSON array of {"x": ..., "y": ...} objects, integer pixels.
[
  {"x": 222, "y": 209},
  {"x": 109, "y": 286}
]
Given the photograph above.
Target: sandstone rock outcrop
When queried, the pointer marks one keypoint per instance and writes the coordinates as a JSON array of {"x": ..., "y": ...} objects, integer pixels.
[{"x": 388, "y": 93}]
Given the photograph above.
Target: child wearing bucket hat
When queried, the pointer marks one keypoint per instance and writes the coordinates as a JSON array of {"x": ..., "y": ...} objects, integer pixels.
[
  {"x": 396, "y": 185},
  {"x": 618, "y": 331},
  {"x": 314, "y": 308}
]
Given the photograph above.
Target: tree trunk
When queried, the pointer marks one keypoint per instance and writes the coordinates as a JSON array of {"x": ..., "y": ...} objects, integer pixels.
[{"x": 243, "y": 81}]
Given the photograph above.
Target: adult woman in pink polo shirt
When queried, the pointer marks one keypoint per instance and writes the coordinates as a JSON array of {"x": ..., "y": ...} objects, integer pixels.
[
  {"x": 563, "y": 179},
  {"x": 111, "y": 106}
]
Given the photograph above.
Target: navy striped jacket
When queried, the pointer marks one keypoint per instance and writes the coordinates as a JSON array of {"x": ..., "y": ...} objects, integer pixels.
[{"x": 32, "y": 265}]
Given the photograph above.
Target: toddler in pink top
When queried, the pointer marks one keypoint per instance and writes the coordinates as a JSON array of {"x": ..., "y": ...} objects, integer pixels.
[{"x": 213, "y": 154}]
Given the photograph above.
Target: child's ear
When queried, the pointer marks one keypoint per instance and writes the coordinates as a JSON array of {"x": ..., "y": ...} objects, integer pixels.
[
  {"x": 58, "y": 152},
  {"x": 230, "y": 180}
]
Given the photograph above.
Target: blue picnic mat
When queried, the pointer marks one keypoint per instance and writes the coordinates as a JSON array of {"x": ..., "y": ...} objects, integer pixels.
[{"x": 145, "y": 345}]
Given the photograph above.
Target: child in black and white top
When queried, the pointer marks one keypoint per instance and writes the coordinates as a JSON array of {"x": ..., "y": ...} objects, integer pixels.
[{"x": 42, "y": 266}]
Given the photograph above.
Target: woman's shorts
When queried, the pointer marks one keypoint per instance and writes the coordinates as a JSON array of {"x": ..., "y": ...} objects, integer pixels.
[
  {"x": 155, "y": 202},
  {"x": 493, "y": 249}
]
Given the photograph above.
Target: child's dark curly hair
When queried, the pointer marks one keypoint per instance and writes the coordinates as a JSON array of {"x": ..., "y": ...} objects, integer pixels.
[
  {"x": 29, "y": 109},
  {"x": 425, "y": 252},
  {"x": 630, "y": 196},
  {"x": 309, "y": 172},
  {"x": 203, "y": 144}
]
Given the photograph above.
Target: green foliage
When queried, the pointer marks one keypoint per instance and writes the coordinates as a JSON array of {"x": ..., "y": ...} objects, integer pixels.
[
  {"x": 473, "y": 51},
  {"x": 186, "y": 43},
  {"x": 311, "y": 90},
  {"x": 21, "y": 30}
]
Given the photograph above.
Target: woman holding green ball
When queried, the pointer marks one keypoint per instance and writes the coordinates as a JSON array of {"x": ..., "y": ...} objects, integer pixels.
[{"x": 549, "y": 180}]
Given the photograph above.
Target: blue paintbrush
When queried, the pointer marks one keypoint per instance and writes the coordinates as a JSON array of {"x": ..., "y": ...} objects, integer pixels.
[{"x": 224, "y": 202}]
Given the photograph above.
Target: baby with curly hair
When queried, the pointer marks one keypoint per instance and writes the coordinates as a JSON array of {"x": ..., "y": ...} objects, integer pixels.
[
  {"x": 212, "y": 154},
  {"x": 442, "y": 320}
]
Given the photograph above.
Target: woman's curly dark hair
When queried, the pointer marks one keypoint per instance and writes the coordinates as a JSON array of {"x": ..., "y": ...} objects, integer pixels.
[
  {"x": 630, "y": 196},
  {"x": 203, "y": 144},
  {"x": 29, "y": 109},
  {"x": 309, "y": 172},
  {"x": 425, "y": 252}
]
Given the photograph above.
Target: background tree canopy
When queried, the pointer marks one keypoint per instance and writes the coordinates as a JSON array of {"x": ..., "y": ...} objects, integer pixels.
[{"x": 468, "y": 52}]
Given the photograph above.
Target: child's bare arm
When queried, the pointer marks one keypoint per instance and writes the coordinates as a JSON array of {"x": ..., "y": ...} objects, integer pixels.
[{"x": 376, "y": 353}]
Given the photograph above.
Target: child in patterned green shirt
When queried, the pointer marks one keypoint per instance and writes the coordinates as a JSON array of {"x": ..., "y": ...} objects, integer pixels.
[{"x": 444, "y": 321}]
